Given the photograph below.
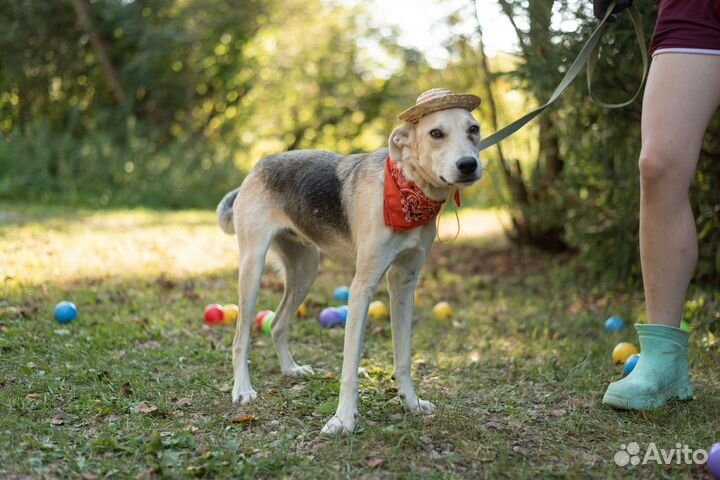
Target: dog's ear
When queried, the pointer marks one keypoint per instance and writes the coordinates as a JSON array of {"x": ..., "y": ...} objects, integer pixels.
[{"x": 402, "y": 138}]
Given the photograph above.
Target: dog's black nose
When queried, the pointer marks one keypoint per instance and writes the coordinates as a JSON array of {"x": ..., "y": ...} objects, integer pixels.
[{"x": 467, "y": 165}]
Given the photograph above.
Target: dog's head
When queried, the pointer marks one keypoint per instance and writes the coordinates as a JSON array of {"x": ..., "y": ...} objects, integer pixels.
[{"x": 441, "y": 149}]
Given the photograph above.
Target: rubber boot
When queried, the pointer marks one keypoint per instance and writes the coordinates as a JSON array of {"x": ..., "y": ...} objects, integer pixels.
[{"x": 661, "y": 373}]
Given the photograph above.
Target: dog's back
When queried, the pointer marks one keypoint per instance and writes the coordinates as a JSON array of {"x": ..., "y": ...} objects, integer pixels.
[{"x": 315, "y": 189}]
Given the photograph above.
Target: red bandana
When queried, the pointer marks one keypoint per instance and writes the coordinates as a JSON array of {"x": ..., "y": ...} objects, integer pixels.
[{"x": 405, "y": 206}]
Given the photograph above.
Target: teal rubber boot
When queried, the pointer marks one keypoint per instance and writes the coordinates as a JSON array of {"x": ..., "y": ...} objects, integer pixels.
[{"x": 660, "y": 375}]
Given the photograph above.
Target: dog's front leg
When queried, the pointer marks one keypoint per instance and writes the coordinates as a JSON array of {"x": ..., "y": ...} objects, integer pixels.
[
  {"x": 402, "y": 277},
  {"x": 370, "y": 269}
]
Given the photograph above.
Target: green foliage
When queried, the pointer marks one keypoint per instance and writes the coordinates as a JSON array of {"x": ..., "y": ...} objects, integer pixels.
[
  {"x": 593, "y": 198},
  {"x": 95, "y": 170}
]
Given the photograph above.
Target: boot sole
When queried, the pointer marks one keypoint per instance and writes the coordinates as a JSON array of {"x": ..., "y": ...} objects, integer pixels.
[{"x": 681, "y": 392}]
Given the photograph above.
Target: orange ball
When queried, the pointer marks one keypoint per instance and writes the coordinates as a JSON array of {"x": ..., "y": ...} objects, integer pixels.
[{"x": 230, "y": 314}]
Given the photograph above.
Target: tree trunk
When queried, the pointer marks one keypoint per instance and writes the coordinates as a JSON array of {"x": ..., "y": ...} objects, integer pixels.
[{"x": 82, "y": 7}]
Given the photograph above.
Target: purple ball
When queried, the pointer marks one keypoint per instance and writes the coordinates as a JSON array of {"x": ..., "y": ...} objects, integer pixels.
[
  {"x": 330, "y": 318},
  {"x": 713, "y": 462}
]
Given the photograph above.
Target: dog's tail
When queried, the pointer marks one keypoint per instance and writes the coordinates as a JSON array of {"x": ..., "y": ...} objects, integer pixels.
[{"x": 225, "y": 212}]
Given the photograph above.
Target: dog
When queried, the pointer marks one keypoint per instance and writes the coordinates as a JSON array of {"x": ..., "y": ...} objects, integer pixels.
[{"x": 301, "y": 202}]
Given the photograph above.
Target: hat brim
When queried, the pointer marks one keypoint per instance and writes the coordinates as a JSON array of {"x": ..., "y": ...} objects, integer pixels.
[{"x": 416, "y": 112}]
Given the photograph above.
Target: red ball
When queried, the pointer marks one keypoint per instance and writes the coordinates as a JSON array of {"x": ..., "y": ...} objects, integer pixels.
[
  {"x": 260, "y": 317},
  {"x": 214, "y": 314}
]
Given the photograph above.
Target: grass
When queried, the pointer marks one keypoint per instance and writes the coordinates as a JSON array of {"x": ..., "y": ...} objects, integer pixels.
[{"x": 138, "y": 387}]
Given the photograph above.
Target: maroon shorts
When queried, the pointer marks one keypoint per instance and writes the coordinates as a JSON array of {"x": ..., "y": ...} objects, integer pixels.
[{"x": 691, "y": 26}]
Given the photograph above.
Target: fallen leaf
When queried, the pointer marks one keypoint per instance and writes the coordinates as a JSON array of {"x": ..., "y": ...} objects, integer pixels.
[
  {"x": 33, "y": 396},
  {"x": 375, "y": 462},
  {"x": 57, "y": 421},
  {"x": 243, "y": 419},
  {"x": 143, "y": 408},
  {"x": 184, "y": 402}
]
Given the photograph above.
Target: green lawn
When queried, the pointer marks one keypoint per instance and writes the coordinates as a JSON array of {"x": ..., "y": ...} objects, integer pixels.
[{"x": 139, "y": 387}]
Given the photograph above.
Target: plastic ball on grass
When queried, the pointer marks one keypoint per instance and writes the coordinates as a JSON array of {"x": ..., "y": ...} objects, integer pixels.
[
  {"x": 301, "y": 311},
  {"x": 343, "y": 311},
  {"x": 214, "y": 314},
  {"x": 614, "y": 324},
  {"x": 630, "y": 364},
  {"x": 65, "y": 312},
  {"x": 260, "y": 316},
  {"x": 442, "y": 311},
  {"x": 622, "y": 351},
  {"x": 713, "y": 461},
  {"x": 330, "y": 318},
  {"x": 341, "y": 294},
  {"x": 267, "y": 323},
  {"x": 230, "y": 313},
  {"x": 377, "y": 309},
  {"x": 685, "y": 326}
]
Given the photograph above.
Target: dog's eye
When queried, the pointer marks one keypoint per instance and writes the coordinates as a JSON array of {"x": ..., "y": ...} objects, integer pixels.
[
  {"x": 435, "y": 133},
  {"x": 473, "y": 130}
]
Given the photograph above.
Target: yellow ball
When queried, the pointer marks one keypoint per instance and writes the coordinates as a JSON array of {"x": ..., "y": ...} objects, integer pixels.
[
  {"x": 622, "y": 351},
  {"x": 301, "y": 311},
  {"x": 442, "y": 311},
  {"x": 377, "y": 309},
  {"x": 230, "y": 314}
]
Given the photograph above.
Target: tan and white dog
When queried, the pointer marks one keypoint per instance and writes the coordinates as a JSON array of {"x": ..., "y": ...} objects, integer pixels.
[{"x": 299, "y": 203}]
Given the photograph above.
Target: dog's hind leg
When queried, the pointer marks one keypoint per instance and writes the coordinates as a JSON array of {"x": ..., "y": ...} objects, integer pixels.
[
  {"x": 253, "y": 249},
  {"x": 300, "y": 264},
  {"x": 402, "y": 277}
]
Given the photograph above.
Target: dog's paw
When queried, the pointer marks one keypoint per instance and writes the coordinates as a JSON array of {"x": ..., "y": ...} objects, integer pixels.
[
  {"x": 244, "y": 397},
  {"x": 336, "y": 426},
  {"x": 298, "y": 371},
  {"x": 420, "y": 407}
]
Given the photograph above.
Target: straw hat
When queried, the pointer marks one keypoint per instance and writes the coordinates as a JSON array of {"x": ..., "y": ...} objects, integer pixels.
[{"x": 437, "y": 99}]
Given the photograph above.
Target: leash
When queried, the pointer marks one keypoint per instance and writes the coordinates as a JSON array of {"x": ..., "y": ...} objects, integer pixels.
[
  {"x": 588, "y": 55},
  {"x": 457, "y": 220}
]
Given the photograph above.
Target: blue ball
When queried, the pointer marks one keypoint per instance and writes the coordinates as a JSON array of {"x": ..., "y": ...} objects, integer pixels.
[
  {"x": 341, "y": 294},
  {"x": 630, "y": 364},
  {"x": 65, "y": 312},
  {"x": 343, "y": 311},
  {"x": 330, "y": 318},
  {"x": 614, "y": 324}
]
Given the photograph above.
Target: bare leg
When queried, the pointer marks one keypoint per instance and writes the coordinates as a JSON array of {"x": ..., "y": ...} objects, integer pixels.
[
  {"x": 682, "y": 93},
  {"x": 402, "y": 277},
  {"x": 300, "y": 263}
]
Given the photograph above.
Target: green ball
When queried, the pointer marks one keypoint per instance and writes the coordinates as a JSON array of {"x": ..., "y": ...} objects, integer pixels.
[
  {"x": 685, "y": 326},
  {"x": 267, "y": 323}
]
